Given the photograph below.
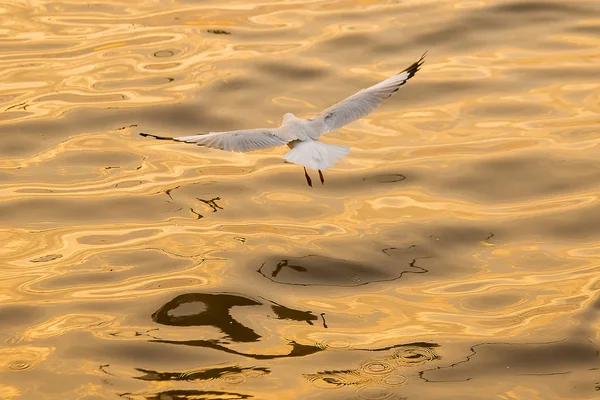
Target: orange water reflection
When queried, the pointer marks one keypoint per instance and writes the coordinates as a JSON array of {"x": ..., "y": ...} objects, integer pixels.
[{"x": 453, "y": 251}]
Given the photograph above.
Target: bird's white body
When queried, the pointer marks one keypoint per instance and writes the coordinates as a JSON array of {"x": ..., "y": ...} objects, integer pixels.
[
  {"x": 303, "y": 128},
  {"x": 307, "y": 150},
  {"x": 302, "y": 135},
  {"x": 314, "y": 154}
]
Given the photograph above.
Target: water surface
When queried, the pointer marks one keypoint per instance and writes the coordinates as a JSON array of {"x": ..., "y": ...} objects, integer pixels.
[{"x": 452, "y": 254}]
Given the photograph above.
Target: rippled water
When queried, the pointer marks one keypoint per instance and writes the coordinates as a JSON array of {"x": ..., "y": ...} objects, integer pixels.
[{"x": 453, "y": 254}]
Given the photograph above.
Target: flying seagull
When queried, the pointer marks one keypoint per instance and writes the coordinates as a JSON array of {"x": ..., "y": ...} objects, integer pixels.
[{"x": 302, "y": 135}]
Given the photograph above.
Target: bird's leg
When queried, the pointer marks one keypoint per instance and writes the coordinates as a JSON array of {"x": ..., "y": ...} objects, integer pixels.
[
  {"x": 321, "y": 176},
  {"x": 308, "y": 180}
]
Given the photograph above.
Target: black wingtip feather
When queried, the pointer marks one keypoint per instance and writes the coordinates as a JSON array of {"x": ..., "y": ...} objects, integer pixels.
[
  {"x": 156, "y": 137},
  {"x": 414, "y": 67}
]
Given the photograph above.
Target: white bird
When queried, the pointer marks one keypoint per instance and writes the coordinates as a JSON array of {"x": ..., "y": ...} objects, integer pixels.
[{"x": 302, "y": 135}]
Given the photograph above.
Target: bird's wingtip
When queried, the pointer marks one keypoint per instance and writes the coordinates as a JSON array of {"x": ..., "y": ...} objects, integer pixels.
[
  {"x": 155, "y": 136},
  {"x": 414, "y": 67}
]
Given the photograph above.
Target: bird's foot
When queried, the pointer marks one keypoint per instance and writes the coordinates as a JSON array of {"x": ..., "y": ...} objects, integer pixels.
[
  {"x": 321, "y": 176},
  {"x": 308, "y": 180}
]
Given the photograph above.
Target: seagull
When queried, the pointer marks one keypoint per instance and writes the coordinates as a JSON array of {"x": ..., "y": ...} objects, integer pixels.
[{"x": 302, "y": 135}]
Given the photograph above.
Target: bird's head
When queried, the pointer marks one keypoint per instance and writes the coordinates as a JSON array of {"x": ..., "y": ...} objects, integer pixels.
[{"x": 288, "y": 117}]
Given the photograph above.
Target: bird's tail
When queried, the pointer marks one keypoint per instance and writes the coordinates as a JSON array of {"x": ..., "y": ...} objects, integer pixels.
[{"x": 316, "y": 155}]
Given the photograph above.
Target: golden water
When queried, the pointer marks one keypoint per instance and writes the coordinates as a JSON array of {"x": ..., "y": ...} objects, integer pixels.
[{"x": 454, "y": 254}]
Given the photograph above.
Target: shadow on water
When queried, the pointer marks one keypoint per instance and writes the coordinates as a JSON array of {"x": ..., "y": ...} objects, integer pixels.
[
  {"x": 314, "y": 270},
  {"x": 501, "y": 359}
]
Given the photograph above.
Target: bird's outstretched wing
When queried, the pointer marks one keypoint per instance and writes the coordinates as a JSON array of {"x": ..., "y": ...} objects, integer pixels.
[
  {"x": 363, "y": 102},
  {"x": 240, "y": 141}
]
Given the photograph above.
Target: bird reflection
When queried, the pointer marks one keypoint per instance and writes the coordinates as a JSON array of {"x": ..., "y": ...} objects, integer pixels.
[
  {"x": 205, "y": 309},
  {"x": 284, "y": 312},
  {"x": 214, "y": 311},
  {"x": 298, "y": 350}
]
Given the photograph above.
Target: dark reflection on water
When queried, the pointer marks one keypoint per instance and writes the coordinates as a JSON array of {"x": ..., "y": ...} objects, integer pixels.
[
  {"x": 298, "y": 350},
  {"x": 284, "y": 312},
  {"x": 338, "y": 378},
  {"x": 189, "y": 395},
  {"x": 314, "y": 270},
  {"x": 212, "y": 203},
  {"x": 385, "y": 178},
  {"x": 499, "y": 359},
  {"x": 387, "y": 370},
  {"x": 204, "y": 374},
  {"x": 213, "y": 310},
  {"x": 466, "y": 213},
  {"x": 204, "y": 309}
]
